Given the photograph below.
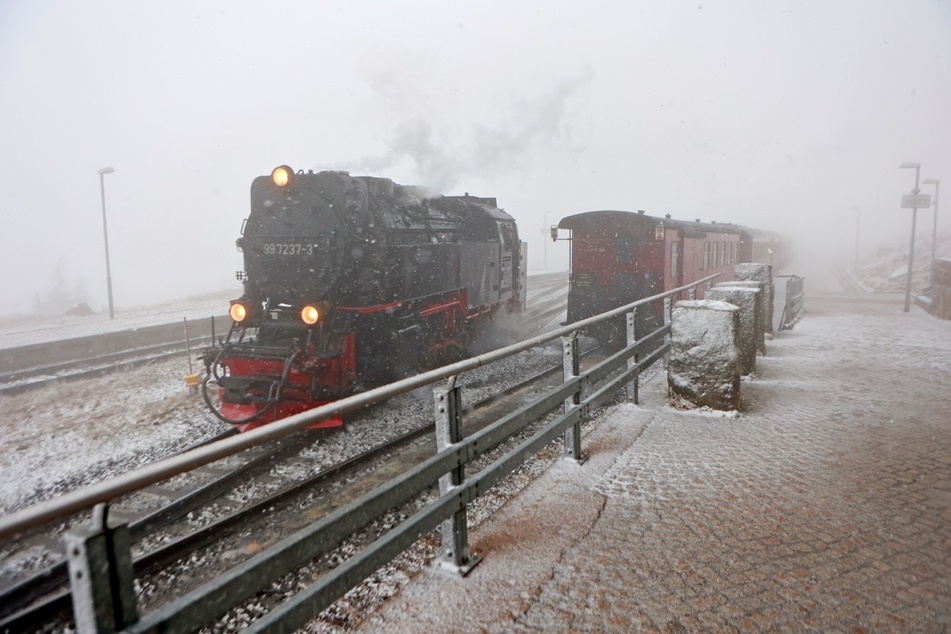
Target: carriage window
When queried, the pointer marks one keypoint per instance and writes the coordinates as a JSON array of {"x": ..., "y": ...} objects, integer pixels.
[
  {"x": 674, "y": 259},
  {"x": 625, "y": 249},
  {"x": 706, "y": 254}
]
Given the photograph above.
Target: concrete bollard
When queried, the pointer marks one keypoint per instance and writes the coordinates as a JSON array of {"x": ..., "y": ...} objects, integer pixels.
[
  {"x": 744, "y": 299},
  {"x": 760, "y": 273},
  {"x": 703, "y": 370},
  {"x": 760, "y": 309}
]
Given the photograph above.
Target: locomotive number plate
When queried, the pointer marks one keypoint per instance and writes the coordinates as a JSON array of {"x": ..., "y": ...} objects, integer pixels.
[{"x": 288, "y": 248}]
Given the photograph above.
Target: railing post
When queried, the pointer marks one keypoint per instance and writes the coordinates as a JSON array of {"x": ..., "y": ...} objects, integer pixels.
[
  {"x": 455, "y": 532},
  {"x": 572, "y": 368},
  {"x": 634, "y": 385},
  {"x": 668, "y": 307},
  {"x": 100, "y": 574},
  {"x": 692, "y": 293}
]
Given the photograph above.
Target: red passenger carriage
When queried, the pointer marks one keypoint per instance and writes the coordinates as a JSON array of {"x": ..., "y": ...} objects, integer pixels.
[{"x": 619, "y": 257}]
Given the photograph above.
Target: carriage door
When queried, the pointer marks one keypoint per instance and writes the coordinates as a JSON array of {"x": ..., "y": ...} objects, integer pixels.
[{"x": 676, "y": 263}]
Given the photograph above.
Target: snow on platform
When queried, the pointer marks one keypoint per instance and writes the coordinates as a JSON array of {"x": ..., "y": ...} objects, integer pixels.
[{"x": 824, "y": 505}]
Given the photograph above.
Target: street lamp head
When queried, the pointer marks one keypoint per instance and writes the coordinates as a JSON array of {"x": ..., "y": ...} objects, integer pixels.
[
  {"x": 910, "y": 164},
  {"x": 106, "y": 170},
  {"x": 930, "y": 181}
]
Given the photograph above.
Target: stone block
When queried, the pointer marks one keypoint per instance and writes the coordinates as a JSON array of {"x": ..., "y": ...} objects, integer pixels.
[
  {"x": 760, "y": 309},
  {"x": 761, "y": 273},
  {"x": 744, "y": 298},
  {"x": 703, "y": 369}
]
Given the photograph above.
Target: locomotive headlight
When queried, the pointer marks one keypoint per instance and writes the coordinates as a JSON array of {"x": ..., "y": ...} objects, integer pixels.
[
  {"x": 310, "y": 314},
  {"x": 282, "y": 175},
  {"x": 238, "y": 311}
]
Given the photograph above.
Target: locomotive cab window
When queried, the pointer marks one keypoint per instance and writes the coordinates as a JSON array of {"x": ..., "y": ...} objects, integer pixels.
[
  {"x": 674, "y": 259},
  {"x": 508, "y": 235}
]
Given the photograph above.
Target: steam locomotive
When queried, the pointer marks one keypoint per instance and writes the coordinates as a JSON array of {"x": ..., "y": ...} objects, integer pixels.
[{"x": 351, "y": 282}]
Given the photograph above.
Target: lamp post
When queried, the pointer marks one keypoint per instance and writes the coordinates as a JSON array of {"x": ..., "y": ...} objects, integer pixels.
[
  {"x": 914, "y": 217},
  {"x": 105, "y": 234},
  {"x": 934, "y": 230}
]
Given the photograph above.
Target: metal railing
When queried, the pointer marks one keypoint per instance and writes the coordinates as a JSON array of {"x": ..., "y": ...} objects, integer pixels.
[
  {"x": 792, "y": 308},
  {"x": 579, "y": 392}
]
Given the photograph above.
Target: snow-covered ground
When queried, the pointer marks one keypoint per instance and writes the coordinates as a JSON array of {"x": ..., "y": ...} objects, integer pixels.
[
  {"x": 77, "y": 432},
  {"x": 30, "y": 329}
]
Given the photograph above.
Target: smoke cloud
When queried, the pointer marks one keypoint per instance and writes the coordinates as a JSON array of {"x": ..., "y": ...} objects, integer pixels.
[{"x": 441, "y": 160}]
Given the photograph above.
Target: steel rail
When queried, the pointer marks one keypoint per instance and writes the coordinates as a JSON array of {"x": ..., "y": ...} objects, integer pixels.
[{"x": 106, "y": 490}]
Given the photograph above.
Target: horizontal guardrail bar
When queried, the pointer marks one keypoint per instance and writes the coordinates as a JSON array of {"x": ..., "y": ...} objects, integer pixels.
[
  {"x": 619, "y": 359},
  {"x": 241, "y": 582},
  {"x": 87, "y": 497},
  {"x": 495, "y": 434},
  {"x": 629, "y": 374},
  {"x": 307, "y": 604},
  {"x": 216, "y": 597}
]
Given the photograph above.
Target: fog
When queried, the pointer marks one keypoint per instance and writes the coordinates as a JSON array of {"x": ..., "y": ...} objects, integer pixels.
[{"x": 791, "y": 116}]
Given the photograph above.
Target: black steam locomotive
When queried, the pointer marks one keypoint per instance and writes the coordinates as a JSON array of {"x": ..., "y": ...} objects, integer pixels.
[{"x": 351, "y": 282}]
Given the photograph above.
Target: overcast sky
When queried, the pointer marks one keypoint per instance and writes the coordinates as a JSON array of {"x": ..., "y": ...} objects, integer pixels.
[{"x": 783, "y": 115}]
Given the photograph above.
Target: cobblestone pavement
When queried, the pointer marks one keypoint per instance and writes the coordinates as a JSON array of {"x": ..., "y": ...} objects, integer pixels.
[{"x": 824, "y": 506}]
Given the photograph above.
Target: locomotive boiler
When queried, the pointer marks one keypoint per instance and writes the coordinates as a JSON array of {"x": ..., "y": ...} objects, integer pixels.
[{"x": 351, "y": 282}]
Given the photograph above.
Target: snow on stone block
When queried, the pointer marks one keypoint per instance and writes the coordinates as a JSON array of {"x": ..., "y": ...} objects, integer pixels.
[
  {"x": 760, "y": 309},
  {"x": 744, "y": 299},
  {"x": 760, "y": 273},
  {"x": 703, "y": 370}
]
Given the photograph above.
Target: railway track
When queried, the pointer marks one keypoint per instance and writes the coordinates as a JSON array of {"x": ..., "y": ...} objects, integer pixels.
[{"x": 29, "y": 604}]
